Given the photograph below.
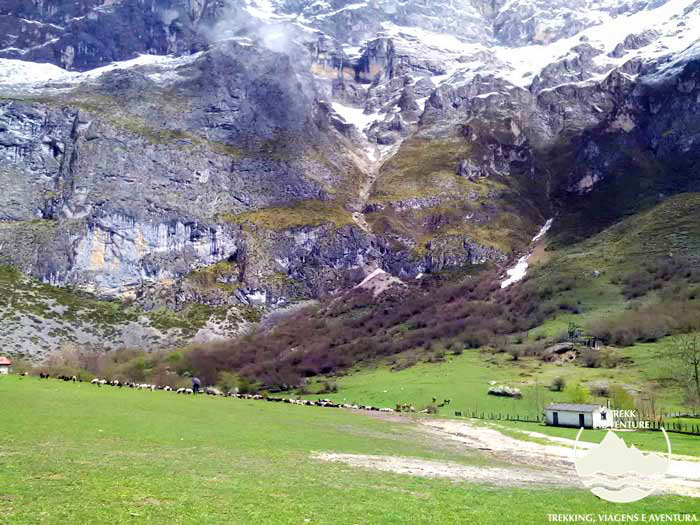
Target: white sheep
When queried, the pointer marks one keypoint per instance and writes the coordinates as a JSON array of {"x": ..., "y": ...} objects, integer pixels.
[
  {"x": 167, "y": 389},
  {"x": 95, "y": 381},
  {"x": 189, "y": 391}
]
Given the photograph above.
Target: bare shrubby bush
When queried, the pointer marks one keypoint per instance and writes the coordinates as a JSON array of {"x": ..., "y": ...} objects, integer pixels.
[
  {"x": 647, "y": 324},
  {"x": 600, "y": 390},
  {"x": 659, "y": 274},
  {"x": 590, "y": 358},
  {"x": 328, "y": 387}
]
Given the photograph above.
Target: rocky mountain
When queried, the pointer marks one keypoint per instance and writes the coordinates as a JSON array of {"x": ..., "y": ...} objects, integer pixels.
[{"x": 251, "y": 153}]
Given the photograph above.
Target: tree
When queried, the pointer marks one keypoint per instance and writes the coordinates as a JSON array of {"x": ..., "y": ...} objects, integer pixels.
[
  {"x": 686, "y": 361},
  {"x": 228, "y": 382},
  {"x": 621, "y": 398},
  {"x": 577, "y": 393}
]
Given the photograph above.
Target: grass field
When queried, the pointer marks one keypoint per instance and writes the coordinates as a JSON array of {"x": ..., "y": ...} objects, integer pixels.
[
  {"x": 465, "y": 380},
  {"x": 75, "y": 453}
]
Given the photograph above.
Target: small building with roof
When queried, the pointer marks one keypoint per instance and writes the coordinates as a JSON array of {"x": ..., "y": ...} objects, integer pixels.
[
  {"x": 5, "y": 365},
  {"x": 578, "y": 415}
]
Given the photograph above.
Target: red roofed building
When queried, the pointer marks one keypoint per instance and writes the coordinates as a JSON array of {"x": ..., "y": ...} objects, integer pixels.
[{"x": 5, "y": 364}]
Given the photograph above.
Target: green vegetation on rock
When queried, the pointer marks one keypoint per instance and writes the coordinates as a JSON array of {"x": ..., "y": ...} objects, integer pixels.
[{"x": 303, "y": 213}]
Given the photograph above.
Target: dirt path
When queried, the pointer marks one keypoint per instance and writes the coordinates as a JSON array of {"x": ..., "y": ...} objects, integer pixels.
[{"x": 532, "y": 463}]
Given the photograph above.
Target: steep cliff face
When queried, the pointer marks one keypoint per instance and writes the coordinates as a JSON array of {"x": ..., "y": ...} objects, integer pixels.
[
  {"x": 283, "y": 146},
  {"x": 146, "y": 183}
]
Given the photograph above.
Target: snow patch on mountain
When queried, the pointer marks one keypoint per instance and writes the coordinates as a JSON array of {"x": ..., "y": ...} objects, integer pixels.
[
  {"x": 25, "y": 75},
  {"x": 519, "y": 270},
  {"x": 356, "y": 116}
]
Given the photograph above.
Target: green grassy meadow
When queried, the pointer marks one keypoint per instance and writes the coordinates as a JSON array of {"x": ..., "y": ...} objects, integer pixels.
[
  {"x": 465, "y": 380},
  {"x": 76, "y": 453}
]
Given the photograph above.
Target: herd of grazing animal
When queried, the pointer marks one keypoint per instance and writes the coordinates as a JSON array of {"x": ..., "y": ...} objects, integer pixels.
[{"x": 211, "y": 391}]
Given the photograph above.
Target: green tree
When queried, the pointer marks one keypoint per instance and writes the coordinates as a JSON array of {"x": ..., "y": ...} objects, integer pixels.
[
  {"x": 621, "y": 398},
  {"x": 228, "y": 382},
  {"x": 686, "y": 365},
  {"x": 577, "y": 393}
]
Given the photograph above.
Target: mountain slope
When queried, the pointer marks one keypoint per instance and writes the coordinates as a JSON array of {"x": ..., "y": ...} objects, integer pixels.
[{"x": 300, "y": 144}]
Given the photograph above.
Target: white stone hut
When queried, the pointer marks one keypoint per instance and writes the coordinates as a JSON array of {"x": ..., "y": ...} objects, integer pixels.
[{"x": 578, "y": 415}]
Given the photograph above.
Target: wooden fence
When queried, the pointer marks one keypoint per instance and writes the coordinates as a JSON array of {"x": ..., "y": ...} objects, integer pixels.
[{"x": 499, "y": 416}]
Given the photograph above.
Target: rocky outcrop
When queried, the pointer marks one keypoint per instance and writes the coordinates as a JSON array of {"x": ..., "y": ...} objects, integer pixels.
[{"x": 294, "y": 143}]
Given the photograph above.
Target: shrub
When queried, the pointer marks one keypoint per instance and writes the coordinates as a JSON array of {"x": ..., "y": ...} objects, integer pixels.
[
  {"x": 245, "y": 386},
  {"x": 405, "y": 363},
  {"x": 621, "y": 399},
  {"x": 558, "y": 384},
  {"x": 21, "y": 365},
  {"x": 590, "y": 358},
  {"x": 577, "y": 393},
  {"x": 328, "y": 387},
  {"x": 600, "y": 390},
  {"x": 227, "y": 382}
]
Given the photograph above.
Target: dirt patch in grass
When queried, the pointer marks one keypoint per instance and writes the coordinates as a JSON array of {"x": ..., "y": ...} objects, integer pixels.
[{"x": 449, "y": 470}]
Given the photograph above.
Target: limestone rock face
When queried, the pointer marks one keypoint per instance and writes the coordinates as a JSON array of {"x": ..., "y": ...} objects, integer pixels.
[{"x": 295, "y": 142}]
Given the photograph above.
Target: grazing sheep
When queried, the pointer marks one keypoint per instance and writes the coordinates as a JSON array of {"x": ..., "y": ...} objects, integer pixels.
[
  {"x": 44, "y": 375},
  {"x": 74, "y": 379},
  {"x": 180, "y": 391},
  {"x": 211, "y": 391},
  {"x": 189, "y": 391},
  {"x": 95, "y": 382},
  {"x": 167, "y": 389}
]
